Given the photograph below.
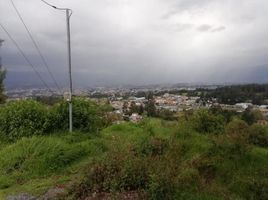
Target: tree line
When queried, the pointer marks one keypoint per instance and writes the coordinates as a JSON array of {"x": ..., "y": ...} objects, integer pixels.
[
  {"x": 2, "y": 77},
  {"x": 252, "y": 93}
]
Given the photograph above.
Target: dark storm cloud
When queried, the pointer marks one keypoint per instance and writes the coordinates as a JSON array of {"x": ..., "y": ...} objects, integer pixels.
[{"x": 142, "y": 41}]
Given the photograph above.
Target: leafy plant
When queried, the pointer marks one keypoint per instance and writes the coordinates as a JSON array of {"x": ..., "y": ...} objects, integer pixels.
[
  {"x": 258, "y": 135},
  {"x": 205, "y": 122},
  {"x": 87, "y": 116},
  {"x": 22, "y": 119}
]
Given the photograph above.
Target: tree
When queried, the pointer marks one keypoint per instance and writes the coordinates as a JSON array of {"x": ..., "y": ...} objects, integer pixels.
[
  {"x": 141, "y": 109},
  {"x": 2, "y": 78},
  {"x": 150, "y": 108},
  {"x": 166, "y": 114},
  {"x": 125, "y": 107},
  {"x": 49, "y": 100},
  {"x": 251, "y": 116},
  {"x": 216, "y": 109},
  {"x": 133, "y": 108},
  {"x": 227, "y": 114}
]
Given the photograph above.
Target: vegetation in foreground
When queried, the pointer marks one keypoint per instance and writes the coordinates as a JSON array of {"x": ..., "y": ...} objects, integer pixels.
[{"x": 202, "y": 155}]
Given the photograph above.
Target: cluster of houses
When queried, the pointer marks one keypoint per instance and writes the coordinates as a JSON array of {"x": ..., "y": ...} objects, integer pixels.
[
  {"x": 174, "y": 103},
  {"x": 177, "y": 103},
  {"x": 241, "y": 107},
  {"x": 122, "y": 107},
  {"x": 170, "y": 102}
]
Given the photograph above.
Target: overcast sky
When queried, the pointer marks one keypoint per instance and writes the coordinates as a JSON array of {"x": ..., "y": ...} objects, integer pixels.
[{"x": 140, "y": 41}]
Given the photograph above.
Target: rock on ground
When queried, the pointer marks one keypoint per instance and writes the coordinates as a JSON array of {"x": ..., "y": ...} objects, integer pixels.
[
  {"x": 53, "y": 194},
  {"x": 21, "y": 197},
  {"x": 134, "y": 195}
]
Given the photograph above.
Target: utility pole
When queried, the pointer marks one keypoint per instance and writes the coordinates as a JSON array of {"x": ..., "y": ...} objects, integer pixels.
[{"x": 68, "y": 16}]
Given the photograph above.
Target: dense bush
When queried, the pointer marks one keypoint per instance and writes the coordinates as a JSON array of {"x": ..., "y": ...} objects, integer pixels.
[
  {"x": 151, "y": 146},
  {"x": 117, "y": 172},
  {"x": 49, "y": 100},
  {"x": 27, "y": 118},
  {"x": 258, "y": 135},
  {"x": 228, "y": 115},
  {"x": 205, "y": 122},
  {"x": 251, "y": 116},
  {"x": 160, "y": 187},
  {"x": 87, "y": 115},
  {"x": 167, "y": 115},
  {"x": 237, "y": 131},
  {"x": 22, "y": 118},
  {"x": 158, "y": 177}
]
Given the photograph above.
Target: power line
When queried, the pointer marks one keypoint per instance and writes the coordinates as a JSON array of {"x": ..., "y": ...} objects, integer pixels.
[
  {"x": 26, "y": 58},
  {"x": 55, "y": 7},
  {"x": 49, "y": 4},
  {"x": 36, "y": 46}
]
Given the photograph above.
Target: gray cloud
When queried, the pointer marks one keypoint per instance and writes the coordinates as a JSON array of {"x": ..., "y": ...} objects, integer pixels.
[
  {"x": 183, "y": 27},
  {"x": 218, "y": 29},
  {"x": 139, "y": 42},
  {"x": 204, "y": 28},
  {"x": 209, "y": 28}
]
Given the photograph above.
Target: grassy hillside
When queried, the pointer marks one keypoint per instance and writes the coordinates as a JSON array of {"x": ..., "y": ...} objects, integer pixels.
[
  {"x": 35, "y": 164},
  {"x": 154, "y": 159}
]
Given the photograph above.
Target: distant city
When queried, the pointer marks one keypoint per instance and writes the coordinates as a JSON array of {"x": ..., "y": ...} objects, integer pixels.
[
  {"x": 172, "y": 98},
  {"x": 24, "y": 92}
]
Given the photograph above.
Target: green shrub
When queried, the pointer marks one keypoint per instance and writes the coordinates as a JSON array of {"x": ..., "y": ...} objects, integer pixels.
[
  {"x": 251, "y": 116},
  {"x": 22, "y": 119},
  {"x": 228, "y": 115},
  {"x": 257, "y": 190},
  {"x": 160, "y": 187},
  {"x": 206, "y": 168},
  {"x": 237, "y": 132},
  {"x": 250, "y": 189},
  {"x": 117, "y": 172},
  {"x": 27, "y": 118},
  {"x": 167, "y": 115},
  {"x": 258, "y": 135},
  {"x": 205, "y": 122},
  {"x": 227, "y": 148},
  {"x": 152, "y": 146},
  {"x": 87, "y": 116}
]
